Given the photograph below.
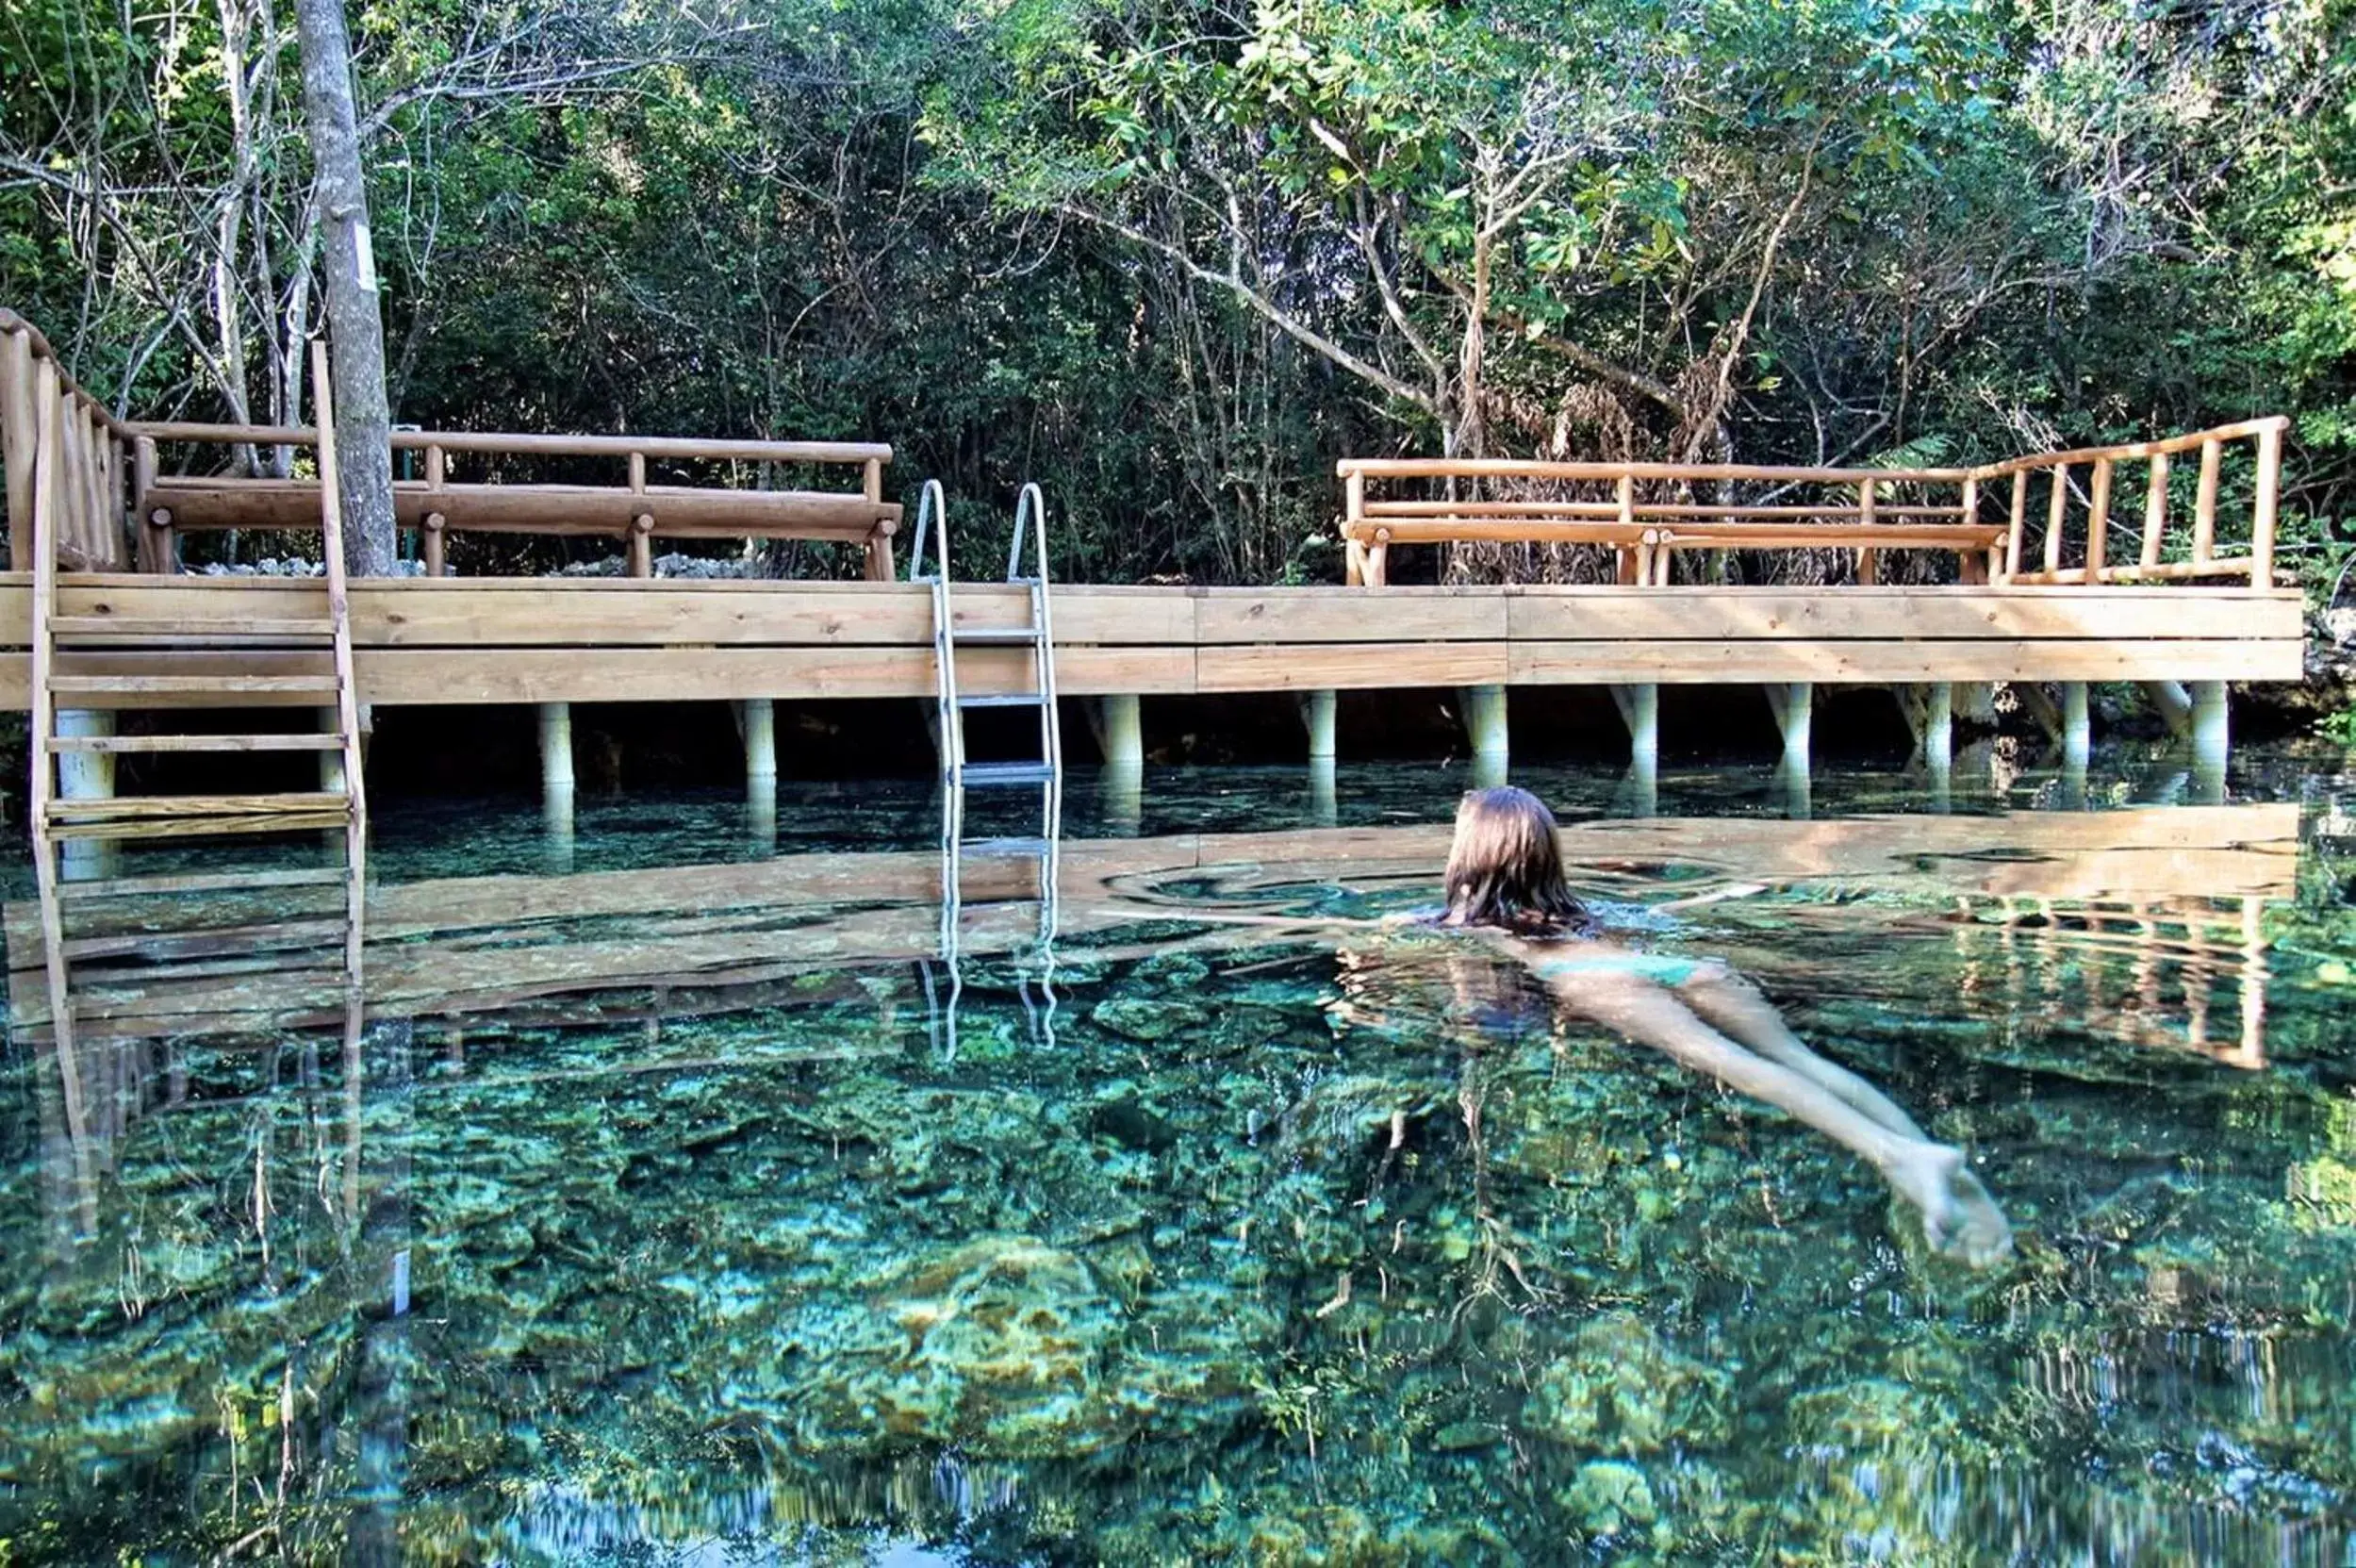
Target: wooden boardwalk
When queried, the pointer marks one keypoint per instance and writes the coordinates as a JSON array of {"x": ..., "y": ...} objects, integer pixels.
[{"x": 433, "y": 641}]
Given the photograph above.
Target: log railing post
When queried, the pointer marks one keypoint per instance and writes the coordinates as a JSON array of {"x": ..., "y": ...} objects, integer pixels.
[
  {"x": 434, "y": 546},
  {"x": 1353, "y": 513},
  {"x": 2204, "y": 503},
  {"x": 1635, "y": 564},
  {"x": 2099, "y": 520},
  {"x": 154, "y": 542},
  {"x": 2155, "y": 510},
  {"x": 1868, "y": 560},
  {"x": 2014, "y": 541},
  {"x": 642, "y": 545},
  {"x": 2056, "y": 512},
  {"x": 20, "y": 438},
  {"x": 2262, "y": 504}
]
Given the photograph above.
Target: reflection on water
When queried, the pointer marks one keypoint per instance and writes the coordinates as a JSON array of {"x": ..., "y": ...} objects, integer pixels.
[{"x": 642, "y": 1213}]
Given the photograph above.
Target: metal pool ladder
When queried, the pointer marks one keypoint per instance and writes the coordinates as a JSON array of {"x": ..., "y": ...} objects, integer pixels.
[{"x": 1034, "y": 643}]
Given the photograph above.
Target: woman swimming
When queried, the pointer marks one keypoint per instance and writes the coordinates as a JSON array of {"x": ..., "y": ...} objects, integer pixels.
[{"x": 1505, "y": 880}]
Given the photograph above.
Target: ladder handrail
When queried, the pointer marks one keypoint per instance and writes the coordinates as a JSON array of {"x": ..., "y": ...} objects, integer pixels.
[{"x": 933, "y": 515}]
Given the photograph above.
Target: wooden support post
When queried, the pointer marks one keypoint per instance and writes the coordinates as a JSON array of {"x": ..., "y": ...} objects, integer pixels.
[
  {"x": 2173, "y": 703},
  {"x": 1640, "y": 710},
  {"x": 756, "y": 717},
  {"x": 19, "y": 438},
  {"x": 1794, "y": 704},
  {"x": 2262, "y": 505},
  {"x": 2211, "y": 726},
  {"x": 2012, "y": 541},
  {"x": 880, "y": 565},
  {"x": 642, "y": 545},
  {"x": 84, "y": 776},
  {"x": 1119, "y": 723},
  {"x": 1325, "y": 804},
  {"x": 1353, "y": 564},
  {"x": 331, "y": 769},
  {"x": 436, "y": 545},
  {"x": 1933, "y": 716},
  {"x": 2154, "y": 511},
  {"x": 2077, "y": 726},
  {"x": 2204, "y": 503},
  {"x": 1317, "y": 713},
  {"x": 2098, "y": 520},
  {"x": 556, "y": 747},
  {"x": 1484, "y": 709},
  {"x": 1378, "y": 559}
]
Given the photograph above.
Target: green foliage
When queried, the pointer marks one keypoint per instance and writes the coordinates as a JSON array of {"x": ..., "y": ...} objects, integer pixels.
[{"x": 1171, "y": 257}]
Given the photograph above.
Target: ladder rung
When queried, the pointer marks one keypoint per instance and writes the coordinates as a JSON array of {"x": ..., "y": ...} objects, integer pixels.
[
  {"x": 188, "y": 685},
  {"x": 226, "y": 881},
  {"x": 133, "y": 808},
  {"x": 1002, "y": 849},
  {"x": 1000, "y": 699},
  {"x": 247, "y": 629},
  {"x": 996, "y": 633},
  {"x": 1007, "y": 773},
  {"x": 312, "y": 741},
  {"x": 193, "y": 827}
]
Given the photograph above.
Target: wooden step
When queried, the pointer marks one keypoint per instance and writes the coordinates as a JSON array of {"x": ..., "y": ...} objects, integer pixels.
[
  {"x": 193, "y": 827},
  {"x": 186, "y": 685},
  {"x": 220, "y": 882},
  {"x": 125, "y": 808},
  {"x": 189, "y": 629},
  {"x": 318, "y": 740}
]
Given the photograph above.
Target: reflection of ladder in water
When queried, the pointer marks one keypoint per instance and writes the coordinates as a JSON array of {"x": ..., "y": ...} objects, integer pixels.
[
  {"x": 1034, "y": 687},
  {"x": 93, "y": 659}
]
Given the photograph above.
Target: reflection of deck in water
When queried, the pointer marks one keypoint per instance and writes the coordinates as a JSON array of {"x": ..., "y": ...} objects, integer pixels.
[{"x": 2177, "y": 885}]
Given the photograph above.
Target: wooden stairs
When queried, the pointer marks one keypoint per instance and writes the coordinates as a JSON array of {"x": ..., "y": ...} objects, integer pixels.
[{"x": 112, "y": 662}]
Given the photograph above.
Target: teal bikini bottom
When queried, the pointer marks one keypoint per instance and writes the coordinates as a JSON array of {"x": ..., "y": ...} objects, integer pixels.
[{"x": 1653, "y": 966}]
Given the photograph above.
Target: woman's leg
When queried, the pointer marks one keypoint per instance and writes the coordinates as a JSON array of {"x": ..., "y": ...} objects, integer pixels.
[
  {"x": 1958, "y": 1217},
  {"x": 1720, "y": 995}
]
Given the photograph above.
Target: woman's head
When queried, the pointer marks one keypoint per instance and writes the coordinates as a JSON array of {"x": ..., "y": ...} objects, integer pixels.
[{"x": 1504, "y": 868}]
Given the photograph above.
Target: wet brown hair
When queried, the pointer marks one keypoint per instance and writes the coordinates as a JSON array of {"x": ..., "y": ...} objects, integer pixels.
[{"x": 1504, "y": 868}]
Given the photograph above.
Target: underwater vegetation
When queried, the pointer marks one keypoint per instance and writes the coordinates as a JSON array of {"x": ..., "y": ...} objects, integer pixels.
[{"x": 1255, "y": 1251}]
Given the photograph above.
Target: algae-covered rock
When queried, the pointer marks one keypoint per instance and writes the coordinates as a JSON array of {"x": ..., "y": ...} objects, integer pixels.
[
  {"x": 1610, "y": 1497},
  {"x": 1620, "y": 1391},
  {"x": 1146, "y": 1018}
]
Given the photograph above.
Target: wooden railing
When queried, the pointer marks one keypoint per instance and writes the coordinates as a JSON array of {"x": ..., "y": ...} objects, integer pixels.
[
  {"x": 114, "y": 489},
  {"x": 633, "y": 511},
  {"x": 2090, "y": 557},
  {"x": 83, "y": 447},
  {"x": 1647, "y": 513}
]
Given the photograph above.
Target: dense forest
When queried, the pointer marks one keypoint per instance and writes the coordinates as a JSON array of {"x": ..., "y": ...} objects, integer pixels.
[{"x": 1171, "y": 257}]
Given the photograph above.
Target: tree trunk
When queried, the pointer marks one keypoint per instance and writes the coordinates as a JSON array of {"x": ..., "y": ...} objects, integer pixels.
[{"x": 355, "y": 326}]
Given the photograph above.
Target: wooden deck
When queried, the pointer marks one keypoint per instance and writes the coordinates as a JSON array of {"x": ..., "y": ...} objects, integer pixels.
[{"x": 556, "y": 640}]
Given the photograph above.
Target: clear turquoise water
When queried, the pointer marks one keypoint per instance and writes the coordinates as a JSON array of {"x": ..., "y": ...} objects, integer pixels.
[{"x": 1248, "y": 1242}]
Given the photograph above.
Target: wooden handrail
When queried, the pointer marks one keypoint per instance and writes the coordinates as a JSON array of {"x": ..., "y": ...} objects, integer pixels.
[
  {"x": 1516, "y": 467},
  {"x": 1367, "y": 528},
  {"x": 2134, "y": 451},
  {"x": 531, "y": 444},
  {"x": 83, "y": 449},
  {"x": 11, "y": 323}
]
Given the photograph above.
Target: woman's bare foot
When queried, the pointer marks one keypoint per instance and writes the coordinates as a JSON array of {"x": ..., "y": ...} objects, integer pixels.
[{"x": 1959, "y": 1219}]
